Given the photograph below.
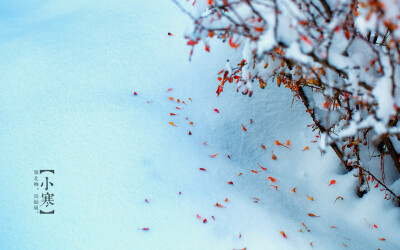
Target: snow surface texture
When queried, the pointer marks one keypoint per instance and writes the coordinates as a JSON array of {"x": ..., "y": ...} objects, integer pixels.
[{"x": 68, "y": 73}]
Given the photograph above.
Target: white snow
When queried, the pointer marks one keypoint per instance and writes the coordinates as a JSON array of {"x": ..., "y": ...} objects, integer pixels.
[{"x": 67, "y": 74}]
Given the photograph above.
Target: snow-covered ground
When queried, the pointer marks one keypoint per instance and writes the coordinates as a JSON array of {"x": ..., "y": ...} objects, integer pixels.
[{"x": 68, "y": 72}]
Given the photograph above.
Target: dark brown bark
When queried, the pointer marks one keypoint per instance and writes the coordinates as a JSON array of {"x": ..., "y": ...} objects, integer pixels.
[{"x": 333, "y": 145}]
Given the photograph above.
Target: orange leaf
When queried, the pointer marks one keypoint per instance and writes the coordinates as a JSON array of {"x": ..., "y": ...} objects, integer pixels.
[
  {"x": 288, "y": 143},
  {"x": 283, "y": 234},
  {"x": 312, "y": 215},
  {"x": 232, "y": 44},
  {"x": 347, "y": 34},
  {"x": 259, "y": 29},
  {"x": 306, "y": 148},
  {"x": 226, "y": 200},
  {"x": 171, "y": 98},
  {"x": 273, "y": 179},
  {"x": 303, "y": 22},
  {"x": 332, "y": 182},
  {"x": 263, "y": 147},
  {"x": 240, "y": 174},
  {"x": 191, "y": 43},
  {"x": 294, "y": 190},
  {"x": 256, "y": 172},
  {"x": 261, "y": 167},
  {"x": 213, "y": 156},
  {"x": 305, "y": 39},
  {"x": 274, "y": 156},
  {"x": 172, "y": 124},
  {"x": 218, "y": 205},
  {"x": 276, "y": 187},
  {"x": 382, "y": 239}
]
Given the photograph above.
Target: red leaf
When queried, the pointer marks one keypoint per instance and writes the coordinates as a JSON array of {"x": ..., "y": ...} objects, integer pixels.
[
  {"x": 232, "y": 44},
  {"x": 244, "y": 128},
  {"x": 230, "y": 183},
  {"x": 191, "y": 42},
  {"x": 216, "y": 110},
  {"x": 203, "y": 169},
  {"x": 205, "y": 221},
  {"x": 332, "y": 182},
  {"x": 219, "y": 90},
  {"x": 305, "y": 39}
]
